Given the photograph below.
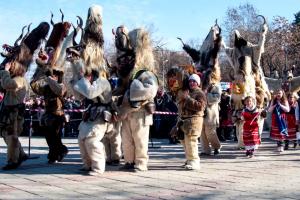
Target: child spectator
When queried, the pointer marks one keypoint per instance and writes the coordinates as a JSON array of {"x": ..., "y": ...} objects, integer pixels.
[
  {"x": 250, "y": 115},
  {"x": 291, "y": 121},
  {"x": 279, "y": 107}
]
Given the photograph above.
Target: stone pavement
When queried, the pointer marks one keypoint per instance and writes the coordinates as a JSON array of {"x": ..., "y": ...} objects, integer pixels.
[{"x": 230, "y": 175}]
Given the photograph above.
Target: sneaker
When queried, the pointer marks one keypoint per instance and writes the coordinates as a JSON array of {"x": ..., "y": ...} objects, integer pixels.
[
  {"x": 10, "y": 166},
  {"x": 52, "y": 161},
  {"x": 280, "y": 149},
  {"x": 216, "y": 151},
  {"x": 248, "y": 153},
  {"x": 286, "y": 147},
  {"x": 127, "y": 167},
  {"x": 251, "y": 153}
]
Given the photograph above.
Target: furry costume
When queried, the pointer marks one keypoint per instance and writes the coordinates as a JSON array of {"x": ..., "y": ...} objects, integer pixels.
[
  {"x": 47, "y": 81},
  {"x": 91, "y": 85},
  {"x": 48, "y": 56},
  {"x": 15, "y": 87},
  {"x": 248, "y": 77},
  {"x": 138, "y": 66},
  {"x": 23, "y": 52},
  {"x": 12, "y": 112},
  {"x": 245, "y": 60}
]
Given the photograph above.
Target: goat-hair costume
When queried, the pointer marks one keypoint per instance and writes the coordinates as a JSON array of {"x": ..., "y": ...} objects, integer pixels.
[
  {"x": 248, "y": 76},
  {"x": 206, "y": 61},
  {"x": 47, "y": 82},
  {"x": 15, "y": 86},
  {"x": 138, "y": 97},
  {"x": 12, "y": 115},
  {"x": 94, "y": 89}
]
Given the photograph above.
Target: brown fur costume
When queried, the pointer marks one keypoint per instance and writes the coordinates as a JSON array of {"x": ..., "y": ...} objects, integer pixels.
[
  {"x": 49, "y": 56},
  {"x": 245, "y": 58},
  {"x": 134, "y": 53},
  {"x": 23, "y": 52},
  {"x": 206, "y": 59}
]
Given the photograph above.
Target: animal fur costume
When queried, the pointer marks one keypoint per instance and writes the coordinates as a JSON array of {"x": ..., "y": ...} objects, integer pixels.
[
  {"x": 14, "y": 85},
  {"x": 44, "y": 83},
  {"x": 23, "y": 52},
  {"x": 12, "y": 112},
  {"x": 206, "y": 61},
  {"x": 94, "y": 89},
  {"x": 48, "y": 57},
  {"x": 248, "y": 77},
  {"x": 136, "y": 120}
]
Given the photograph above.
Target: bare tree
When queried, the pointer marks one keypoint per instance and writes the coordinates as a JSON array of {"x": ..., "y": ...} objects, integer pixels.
[{"x": 245, "y": 19}]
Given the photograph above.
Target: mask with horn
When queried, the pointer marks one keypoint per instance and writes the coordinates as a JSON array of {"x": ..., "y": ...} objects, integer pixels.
[
  {"x": 53, "y": 45},
  {"x": 23, "y": 52}
]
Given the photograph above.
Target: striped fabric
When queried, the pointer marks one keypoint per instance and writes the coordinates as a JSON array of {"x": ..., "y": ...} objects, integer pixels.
[
  {"x": 250, "y": 128},
  {"x": 291, "y": 124}
]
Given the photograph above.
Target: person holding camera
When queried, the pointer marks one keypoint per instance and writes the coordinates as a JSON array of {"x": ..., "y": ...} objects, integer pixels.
[{"x": 191, "y": 106}]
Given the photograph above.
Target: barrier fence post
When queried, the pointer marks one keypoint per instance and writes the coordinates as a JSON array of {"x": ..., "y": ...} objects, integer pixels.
[
  {"x": 30, "y": 134},
  {"x": 29, "y": 140}
]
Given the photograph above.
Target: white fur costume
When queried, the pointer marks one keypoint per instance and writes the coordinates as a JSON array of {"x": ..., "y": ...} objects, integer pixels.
[{"x": 136, "y": 121}]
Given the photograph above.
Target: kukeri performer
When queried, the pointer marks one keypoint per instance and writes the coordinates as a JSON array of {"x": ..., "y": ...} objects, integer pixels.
[
  {"x": 53, "y": 91},
  {"x": 47, "y": 81},
  {"x": 14, "y": 86},
  {"x": 12, "y": 112},
  {"x": 91, "y": 86},
  {"x": 136, "y": 108}
]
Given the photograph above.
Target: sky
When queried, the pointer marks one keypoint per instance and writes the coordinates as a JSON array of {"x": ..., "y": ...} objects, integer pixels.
[{"x": 188, "y": 19}]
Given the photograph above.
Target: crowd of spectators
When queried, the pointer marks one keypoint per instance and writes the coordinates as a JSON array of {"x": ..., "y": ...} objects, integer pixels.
[{"x": 35, "y": 108}]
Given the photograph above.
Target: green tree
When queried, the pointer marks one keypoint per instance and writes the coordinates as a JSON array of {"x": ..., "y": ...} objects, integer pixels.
[{"x": 297, "y": 18}]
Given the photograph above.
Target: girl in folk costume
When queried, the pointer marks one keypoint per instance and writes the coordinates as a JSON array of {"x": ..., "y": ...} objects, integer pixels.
[
  {"x": 279, "y": 107},
  {"x": 297, "y": 115},
  {"x": 250, "y": 116},
  {"x": 291, "y": 120}
]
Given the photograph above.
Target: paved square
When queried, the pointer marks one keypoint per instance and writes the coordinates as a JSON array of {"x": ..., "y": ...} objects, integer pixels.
[{"x": 230, "y": 175}]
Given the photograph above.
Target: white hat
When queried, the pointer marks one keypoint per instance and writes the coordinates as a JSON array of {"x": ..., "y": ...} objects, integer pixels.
[{"x": 195, "y": 77}]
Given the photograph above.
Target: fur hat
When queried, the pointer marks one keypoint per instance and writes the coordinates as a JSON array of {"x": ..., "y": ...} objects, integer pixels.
[{"x": 196, "y": 78}]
